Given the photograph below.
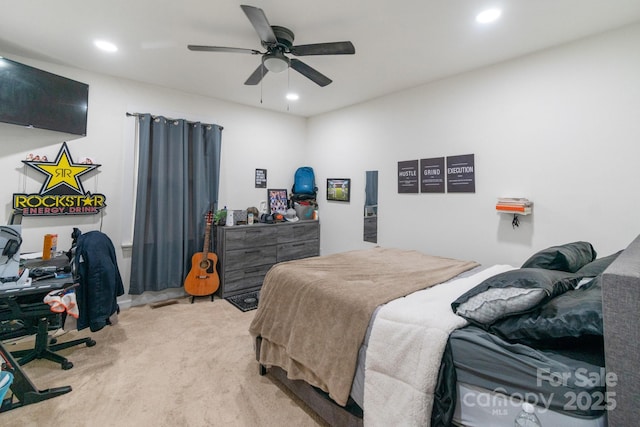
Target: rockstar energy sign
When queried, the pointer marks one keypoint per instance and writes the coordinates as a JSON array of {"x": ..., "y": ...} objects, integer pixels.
[{"x": 62, "y": 192}]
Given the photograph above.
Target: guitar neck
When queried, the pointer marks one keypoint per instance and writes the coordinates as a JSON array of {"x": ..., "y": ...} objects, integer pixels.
[{"x": 205, "y": 249}]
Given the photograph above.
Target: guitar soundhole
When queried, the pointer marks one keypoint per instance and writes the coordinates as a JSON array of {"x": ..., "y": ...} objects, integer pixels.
[{"x": 206, "y": 265}]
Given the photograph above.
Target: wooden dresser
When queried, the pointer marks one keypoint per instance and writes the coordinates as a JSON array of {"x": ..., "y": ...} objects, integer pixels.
[{"x": 246, "y": 252}]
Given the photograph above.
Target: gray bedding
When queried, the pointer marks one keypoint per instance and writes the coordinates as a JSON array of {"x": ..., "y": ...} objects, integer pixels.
[{"x": 559, "y": 380}]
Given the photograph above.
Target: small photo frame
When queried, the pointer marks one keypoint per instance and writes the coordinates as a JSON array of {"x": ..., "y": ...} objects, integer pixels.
[
  {"x": 277, "y": 200},
  {"x": 339, "y": 189}
]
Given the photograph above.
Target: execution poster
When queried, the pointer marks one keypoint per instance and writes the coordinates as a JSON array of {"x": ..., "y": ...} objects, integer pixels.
[{"x": 461, "y": 176}]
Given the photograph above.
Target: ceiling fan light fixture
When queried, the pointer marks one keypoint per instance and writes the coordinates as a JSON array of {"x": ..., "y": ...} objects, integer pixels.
[{"x": 275, "y": 62}]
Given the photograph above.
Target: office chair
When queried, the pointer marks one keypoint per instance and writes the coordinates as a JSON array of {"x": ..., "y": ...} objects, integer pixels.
[{"x": 28, "y": 315}]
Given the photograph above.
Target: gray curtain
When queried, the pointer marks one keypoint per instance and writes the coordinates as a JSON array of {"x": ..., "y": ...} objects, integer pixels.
[{"x": 178, "y": 175}]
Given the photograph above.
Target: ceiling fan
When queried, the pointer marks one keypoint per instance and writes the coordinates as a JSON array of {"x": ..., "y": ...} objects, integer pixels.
[{"x": 278, "y": 41}]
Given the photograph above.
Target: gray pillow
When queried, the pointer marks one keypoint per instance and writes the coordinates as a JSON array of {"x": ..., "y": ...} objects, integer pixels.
[
  {"x": 510, "y": 293},
  {"x": 597, "y": 266},
  {"x": 575, "y": 317},
  {"x": 568, "y": 257}
]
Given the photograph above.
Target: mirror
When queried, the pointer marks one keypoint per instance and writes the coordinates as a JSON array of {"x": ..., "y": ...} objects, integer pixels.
[{"x": 371, "y": 207}]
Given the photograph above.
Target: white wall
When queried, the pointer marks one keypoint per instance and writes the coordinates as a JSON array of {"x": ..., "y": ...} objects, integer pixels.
[
  {"x": 252, "y": 138},
  {"x": 560, "y": 127}
]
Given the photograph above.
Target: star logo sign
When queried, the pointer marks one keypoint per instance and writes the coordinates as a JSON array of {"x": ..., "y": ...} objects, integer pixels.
[{"x": 61, "y": 173}]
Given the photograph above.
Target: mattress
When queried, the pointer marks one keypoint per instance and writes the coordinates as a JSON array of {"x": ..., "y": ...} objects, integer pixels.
[
  {"x": 478, "y": 407},
  {"x": 566, "y": 382}
]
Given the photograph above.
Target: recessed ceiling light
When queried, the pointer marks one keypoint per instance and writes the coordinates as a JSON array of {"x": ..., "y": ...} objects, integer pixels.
[
  {"x": 489, "y": 15},
  {"x": 106, "y": 46},
  {"x": 293, "y": 96}
]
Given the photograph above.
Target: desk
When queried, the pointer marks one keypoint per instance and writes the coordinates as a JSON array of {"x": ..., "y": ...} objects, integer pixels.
[{"x": 23, "y": 389}]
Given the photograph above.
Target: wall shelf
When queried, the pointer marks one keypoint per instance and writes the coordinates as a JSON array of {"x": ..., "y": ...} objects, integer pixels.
[{"x": 515, "y": 206}]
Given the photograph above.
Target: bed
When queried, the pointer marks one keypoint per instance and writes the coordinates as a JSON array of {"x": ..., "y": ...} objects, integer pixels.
[{"x": 416, "y": 325}]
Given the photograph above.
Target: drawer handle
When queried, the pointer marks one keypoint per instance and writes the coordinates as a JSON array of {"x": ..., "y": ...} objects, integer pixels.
[
  {"x": 253, "y": 231},
  {"x": 298, "y": 244},
  {"x": 255, "y": 251}
]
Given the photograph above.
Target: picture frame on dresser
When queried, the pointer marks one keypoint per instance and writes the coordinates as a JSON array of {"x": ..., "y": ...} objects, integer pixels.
[{"x": 278, "y": 201}]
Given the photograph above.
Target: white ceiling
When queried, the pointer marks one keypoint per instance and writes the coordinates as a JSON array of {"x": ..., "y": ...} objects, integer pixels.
[{"x": 399, "y": 44}]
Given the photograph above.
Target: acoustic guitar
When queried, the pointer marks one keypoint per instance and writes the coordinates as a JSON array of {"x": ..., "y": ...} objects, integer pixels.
[{"x": 203, "y": 277}]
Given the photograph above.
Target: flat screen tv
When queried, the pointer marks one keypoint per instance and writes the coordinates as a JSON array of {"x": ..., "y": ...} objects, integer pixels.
[{"x": 32, "y": 97}]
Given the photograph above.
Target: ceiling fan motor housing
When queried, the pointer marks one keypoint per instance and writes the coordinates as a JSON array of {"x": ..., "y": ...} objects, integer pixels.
[
  {"x": 275, "y": 59},
  {"x": 284, "y": 36}
]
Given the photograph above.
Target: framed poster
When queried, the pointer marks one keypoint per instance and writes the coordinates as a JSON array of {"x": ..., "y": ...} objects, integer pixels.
[
  {"x": 277, "y": 200},
  {"x": 461, "y": 177},
  {"x": 408, "y": 176},
  {"x": 432, "y": 175},
  {"x": 338, "y": 189},
  {"x": 261, "y": 178}
]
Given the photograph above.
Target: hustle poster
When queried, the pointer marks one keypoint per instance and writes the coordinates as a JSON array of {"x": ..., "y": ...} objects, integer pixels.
[{"x": 408, "y": 176}]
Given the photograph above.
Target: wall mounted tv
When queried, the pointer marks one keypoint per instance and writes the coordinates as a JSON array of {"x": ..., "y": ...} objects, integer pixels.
[{"x": 32, "y": 97}]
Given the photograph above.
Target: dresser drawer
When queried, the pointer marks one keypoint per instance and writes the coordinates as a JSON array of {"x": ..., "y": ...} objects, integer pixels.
[
  {"x": 240, "y": 281},
  {"x": 239, "y": 259},
  {"x": 299, "y": 249},
  {"x": 305, "y": 230},
  {"x": 249, "y": 237},
  {"x": 247, "y": 252}
]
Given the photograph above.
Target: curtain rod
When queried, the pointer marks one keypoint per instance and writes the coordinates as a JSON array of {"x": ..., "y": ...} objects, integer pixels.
[{"x": 170, "y": 119}]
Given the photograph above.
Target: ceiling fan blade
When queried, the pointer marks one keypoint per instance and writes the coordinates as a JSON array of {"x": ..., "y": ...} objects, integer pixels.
[
  {"x": 222, "y": 49},
  {"x": 335, "y": 48},
  {"x": 310, "y": 73},
  {"x": 257, "y": 75},
  {"x": 259, "y": 21}
]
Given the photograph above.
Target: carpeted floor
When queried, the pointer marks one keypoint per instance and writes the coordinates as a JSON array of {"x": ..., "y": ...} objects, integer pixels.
[{"x": 177, "y": 365}]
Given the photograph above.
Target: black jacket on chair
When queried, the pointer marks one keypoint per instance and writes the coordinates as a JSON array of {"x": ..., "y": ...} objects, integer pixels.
[{"x": 99, "y": 280}]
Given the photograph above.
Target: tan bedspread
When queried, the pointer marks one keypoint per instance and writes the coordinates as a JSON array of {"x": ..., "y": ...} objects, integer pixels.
[{"x": 314, "y": 312}]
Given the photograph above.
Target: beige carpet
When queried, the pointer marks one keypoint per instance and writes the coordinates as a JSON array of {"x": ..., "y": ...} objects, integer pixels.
[{"x": 178, "y": 365}]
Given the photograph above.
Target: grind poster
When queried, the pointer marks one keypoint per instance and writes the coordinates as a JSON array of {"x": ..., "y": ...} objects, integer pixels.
[{"x": 432, "y": 175}]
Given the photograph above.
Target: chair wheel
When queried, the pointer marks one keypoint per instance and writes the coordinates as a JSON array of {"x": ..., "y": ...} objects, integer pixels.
[
  {"x": 91, "y": 343},
  {"x": 66, "y": 365}
]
